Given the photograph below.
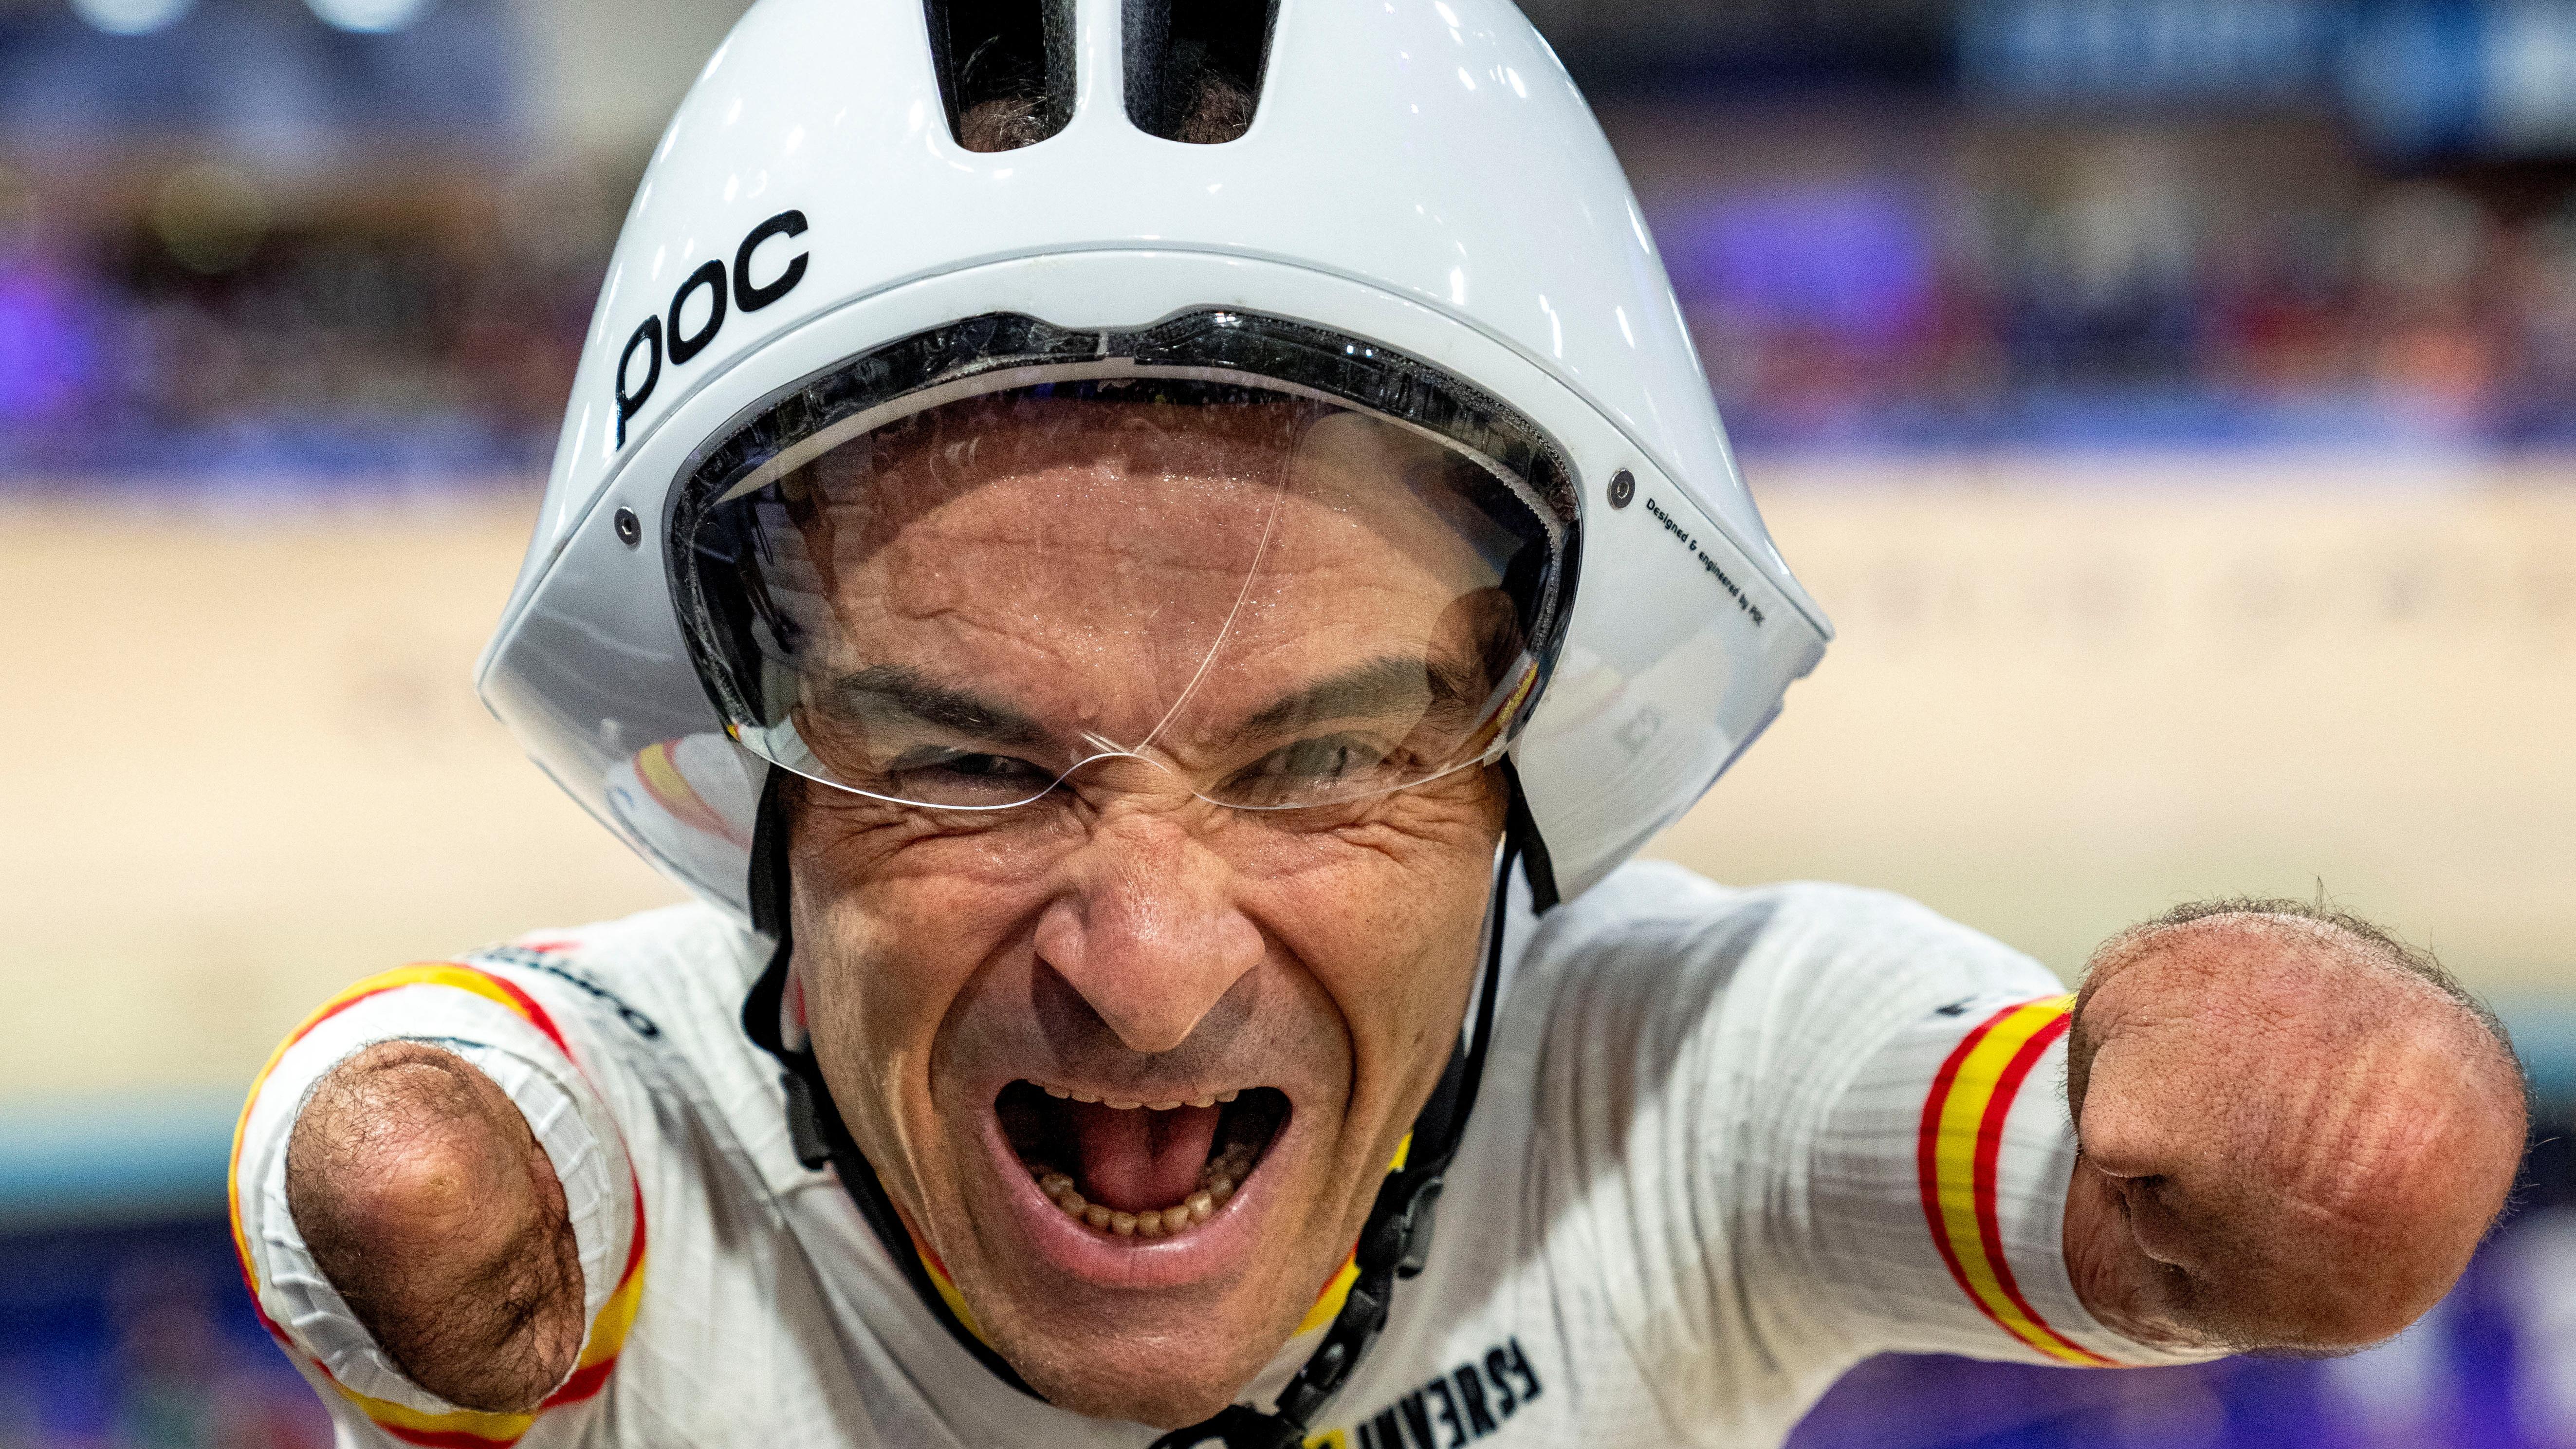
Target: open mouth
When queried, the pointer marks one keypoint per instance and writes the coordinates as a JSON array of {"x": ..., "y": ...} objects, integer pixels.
[{"x": 1139, "y": 1169}]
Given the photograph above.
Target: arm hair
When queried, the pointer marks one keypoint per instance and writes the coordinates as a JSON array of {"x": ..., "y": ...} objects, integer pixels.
[{"x": 432, "y": 1209}]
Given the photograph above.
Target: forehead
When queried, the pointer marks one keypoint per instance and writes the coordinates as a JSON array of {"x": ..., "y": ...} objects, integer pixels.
[
  {"x": 1090, "y": 556},
  {"x": 1190, "y": 488}
]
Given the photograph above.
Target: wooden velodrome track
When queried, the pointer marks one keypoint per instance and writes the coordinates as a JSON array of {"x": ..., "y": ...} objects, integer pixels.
[{"x": 241, "y": 763}]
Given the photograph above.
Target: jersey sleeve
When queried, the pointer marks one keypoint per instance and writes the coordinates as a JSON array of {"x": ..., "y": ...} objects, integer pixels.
[
  {"x": 495, "y": 1024},
  {"x": 1790, "y": 1127},
  {"x": 1927, "y": 1122},
  {"x": 1938, "y": 1182}
]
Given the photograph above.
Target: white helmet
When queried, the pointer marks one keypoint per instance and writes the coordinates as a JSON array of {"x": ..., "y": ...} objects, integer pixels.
[{"x": 1419, "y": 186}]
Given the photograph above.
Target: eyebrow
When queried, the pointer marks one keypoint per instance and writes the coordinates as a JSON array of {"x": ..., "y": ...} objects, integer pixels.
[
  {"x": 1381, "y": 686},
  {"x": 909, "y": 691}
]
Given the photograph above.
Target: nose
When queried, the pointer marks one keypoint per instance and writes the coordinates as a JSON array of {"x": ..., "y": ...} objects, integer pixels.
[{"x": 1147, "y": 929}]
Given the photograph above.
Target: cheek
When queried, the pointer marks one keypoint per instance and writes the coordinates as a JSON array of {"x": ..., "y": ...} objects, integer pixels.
[
  {"x": 893, "y": 919},
  {"x": 1392, "y": 956},
  {"x": 1391, "y": 936}
]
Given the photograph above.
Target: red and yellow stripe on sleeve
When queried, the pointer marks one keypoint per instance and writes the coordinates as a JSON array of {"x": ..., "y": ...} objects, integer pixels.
[
  {"x": 464, "y": 1429},
  {"x": 1958, "y": 1149}
]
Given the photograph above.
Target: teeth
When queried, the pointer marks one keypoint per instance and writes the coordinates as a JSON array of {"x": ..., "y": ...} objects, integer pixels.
[
  {"x": 1127, "y": 1104},
  {"x": 1219, "y": 1180},
  {"x": 1216, "y": 1188},
  {"x": 1235, "y": 1161}
]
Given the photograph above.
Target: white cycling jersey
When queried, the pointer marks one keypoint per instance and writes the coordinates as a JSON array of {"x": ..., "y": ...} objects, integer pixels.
[{"x": 1729, "y": 1143}]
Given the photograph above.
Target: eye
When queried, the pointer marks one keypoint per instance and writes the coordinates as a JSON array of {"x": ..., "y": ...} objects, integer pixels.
[
  {"x": 941, "y": 776},
  {"x": 1326, "y": 767},
  {"x": 1331, "y": 758}
]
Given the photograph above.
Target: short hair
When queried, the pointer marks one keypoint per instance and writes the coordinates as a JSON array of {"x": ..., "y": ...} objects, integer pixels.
[
  {"x": 1217, "y": 109},
  {"x": 2376, "y": 941}
]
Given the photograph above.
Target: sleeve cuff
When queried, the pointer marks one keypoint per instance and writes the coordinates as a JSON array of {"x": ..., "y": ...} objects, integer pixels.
[
  {"x": 566, "y": 1117},
  {"x": 1952, "y": 1154}
]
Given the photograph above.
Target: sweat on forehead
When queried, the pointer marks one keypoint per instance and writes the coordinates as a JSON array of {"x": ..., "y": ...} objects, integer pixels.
[
  {"x": 1181, "y": 483},
  {"x": 1096, "y": 552}
]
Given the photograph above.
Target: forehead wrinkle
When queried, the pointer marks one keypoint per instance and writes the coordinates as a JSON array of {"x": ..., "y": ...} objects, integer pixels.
[
  {"x": 935, "y": 569},
  {"x": 1032, "y": 518},
  {"x": 1065, "y": 665},
  {"x": 1348, "y": 538},
  {"x": 927, "y": 699},
  {"x": 1040, "y": 530},
  {"x": 1018, "y": 555},
  {"x": 1043, "y": 567},
  {"x": 1069, "y": 634},
  {"x": 1051, "y": 676},
  {"x": 1160, "y": 606}
]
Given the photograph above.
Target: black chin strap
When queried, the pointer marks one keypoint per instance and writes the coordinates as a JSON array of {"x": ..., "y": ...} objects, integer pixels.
[
  {"x": 814, "y": 1124},
  {"x": 1395, "y": 1243}
]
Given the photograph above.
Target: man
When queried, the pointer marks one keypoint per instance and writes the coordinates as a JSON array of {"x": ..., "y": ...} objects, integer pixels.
[{"x": 1170, "y": 671}]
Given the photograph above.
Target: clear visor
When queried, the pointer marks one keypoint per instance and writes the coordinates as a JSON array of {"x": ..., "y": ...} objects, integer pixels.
[{"x": 1024, "y": 566}]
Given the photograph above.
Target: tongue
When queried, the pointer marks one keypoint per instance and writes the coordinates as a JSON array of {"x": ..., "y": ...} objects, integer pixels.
[{"x": 1140, "y": 1159}]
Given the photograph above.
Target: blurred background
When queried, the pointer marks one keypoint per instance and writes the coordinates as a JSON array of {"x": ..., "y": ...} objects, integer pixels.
[{"x": 2173, "y": 400}]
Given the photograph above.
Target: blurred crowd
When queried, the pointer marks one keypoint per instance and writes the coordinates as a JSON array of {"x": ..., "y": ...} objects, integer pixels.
[
  {"x": 2249, "y": 284},
  {"x": 200, "y": 321},
  {"x": 2021, "y": 283}
]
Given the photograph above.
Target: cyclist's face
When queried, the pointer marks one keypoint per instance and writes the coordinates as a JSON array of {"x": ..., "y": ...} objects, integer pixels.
[{"x": 1292, "y": 980}]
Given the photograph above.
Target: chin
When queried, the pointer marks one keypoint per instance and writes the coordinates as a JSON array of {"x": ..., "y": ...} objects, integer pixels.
[{"x": 1167, "y": 1384}]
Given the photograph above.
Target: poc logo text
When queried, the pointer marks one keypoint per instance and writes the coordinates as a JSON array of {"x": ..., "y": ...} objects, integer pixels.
[{"x": 655, "y": 337}]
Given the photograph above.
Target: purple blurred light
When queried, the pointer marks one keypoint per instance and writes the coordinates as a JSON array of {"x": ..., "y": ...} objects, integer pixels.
[
  {"x": 1856, "y": 262},
  {"x": 46, "y": 350}
]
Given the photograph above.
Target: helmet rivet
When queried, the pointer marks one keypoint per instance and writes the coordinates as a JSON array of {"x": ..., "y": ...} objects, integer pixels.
[
  {"x": 630, "y": 529},
  {"x": 1623, "y": 489}
]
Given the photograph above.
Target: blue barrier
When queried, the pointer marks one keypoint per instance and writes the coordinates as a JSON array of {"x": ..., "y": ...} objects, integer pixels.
[{"x": 128, "y": 1157}]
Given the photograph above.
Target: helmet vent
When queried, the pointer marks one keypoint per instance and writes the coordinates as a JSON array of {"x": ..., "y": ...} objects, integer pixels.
[
  {"x": 1194, "y": 67},
  {"x": 1005, "y": 69}
]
